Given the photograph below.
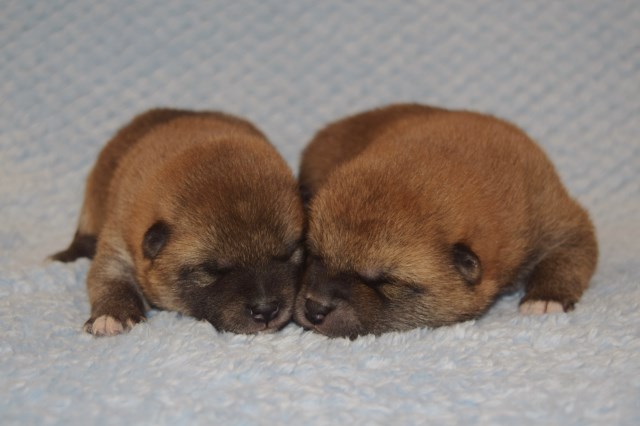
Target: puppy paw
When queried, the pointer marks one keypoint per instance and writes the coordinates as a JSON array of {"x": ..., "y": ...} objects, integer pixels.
[
  {"x": 106, "y": 325},
  {"x": 539, "y": 307}
]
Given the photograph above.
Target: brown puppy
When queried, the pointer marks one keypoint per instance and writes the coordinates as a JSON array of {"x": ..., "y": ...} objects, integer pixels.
[
  {"x": 421, "y": 216},
  {"x": 193, "y": 212}
]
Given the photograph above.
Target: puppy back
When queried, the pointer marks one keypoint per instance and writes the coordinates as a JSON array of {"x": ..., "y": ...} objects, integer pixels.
[
  {"x": 342, "y": 140},
  {"x": 99, "y": 181}
]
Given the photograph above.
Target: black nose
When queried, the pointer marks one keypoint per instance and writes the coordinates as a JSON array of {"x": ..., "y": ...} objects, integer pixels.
[
  {"x": 264, "y": 312},
  {"x": 316, "y": 311}
]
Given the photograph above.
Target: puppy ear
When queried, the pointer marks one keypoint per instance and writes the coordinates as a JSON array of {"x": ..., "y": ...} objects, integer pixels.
[
  {"x": 467, "y": 263},
  {"x": 154, "y": 239}
]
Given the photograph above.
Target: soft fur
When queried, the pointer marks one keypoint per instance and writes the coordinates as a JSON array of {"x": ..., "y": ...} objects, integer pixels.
[{"x": 421, "y": 216}]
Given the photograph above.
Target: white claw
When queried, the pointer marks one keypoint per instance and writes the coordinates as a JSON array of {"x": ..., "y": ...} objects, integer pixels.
[
  {"x": 105, "y": 325},
  {"x": 539, "y": 307}
]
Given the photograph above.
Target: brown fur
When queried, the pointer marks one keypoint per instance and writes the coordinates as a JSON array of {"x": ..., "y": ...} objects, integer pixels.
[
  {"x": 194, "y": 212},
  {"x": 421, "y": 216}
]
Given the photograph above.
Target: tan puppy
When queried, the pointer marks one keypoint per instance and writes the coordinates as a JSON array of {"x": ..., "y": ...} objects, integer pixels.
[
  {"x": 422, "y": 216},
  {"x": 193, "y": 212}
]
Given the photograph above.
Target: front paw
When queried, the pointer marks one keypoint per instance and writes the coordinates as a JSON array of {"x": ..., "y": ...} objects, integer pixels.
[{"x": 107, "y": 325}]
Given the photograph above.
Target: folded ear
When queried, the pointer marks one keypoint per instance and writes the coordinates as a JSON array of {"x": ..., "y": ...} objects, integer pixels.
[
  {"x": 467, "y": 263},
  {"x": 155, "y": 239}
]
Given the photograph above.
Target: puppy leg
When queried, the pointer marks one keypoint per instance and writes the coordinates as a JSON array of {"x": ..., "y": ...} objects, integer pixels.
[
  {"x": 116, "y": 301},
  {"x": 83, "y": 245},
  {"x": 558, "y": 281}
]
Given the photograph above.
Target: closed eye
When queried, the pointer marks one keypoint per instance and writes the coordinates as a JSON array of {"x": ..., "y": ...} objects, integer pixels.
[
  {"x": 214, "y": 270},
  {"x": 194, "y": 276},
  {"x": 203, "y": 274},
  {"x": 415, "y": 288},
  {"x": 376, "y": 281}
]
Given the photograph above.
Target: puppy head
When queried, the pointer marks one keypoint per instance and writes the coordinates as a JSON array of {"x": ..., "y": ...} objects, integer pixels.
[
  {"x": 382, "y": 258},
  {"x": 224, "y": 242}
]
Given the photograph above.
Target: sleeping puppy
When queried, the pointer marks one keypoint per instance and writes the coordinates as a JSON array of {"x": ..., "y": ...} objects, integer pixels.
[
  {"x": 422, "y": 216},
  {"x": 193, "y": 212}
]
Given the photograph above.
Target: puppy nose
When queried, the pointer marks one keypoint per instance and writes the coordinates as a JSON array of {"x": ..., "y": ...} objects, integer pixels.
[
  {"x": 264, "y": 312},
  {"x": 316, "y": 311}
]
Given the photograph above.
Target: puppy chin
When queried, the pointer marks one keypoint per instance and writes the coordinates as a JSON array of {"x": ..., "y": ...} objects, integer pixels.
[
  {"x": 342, "y": 322},
  {"x": 249, "y": 326}
]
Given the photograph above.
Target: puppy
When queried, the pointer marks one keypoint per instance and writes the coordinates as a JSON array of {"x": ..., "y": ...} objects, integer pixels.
[
  {"x": 193, "y": 212},
  {"x": 422, "y": 216}
]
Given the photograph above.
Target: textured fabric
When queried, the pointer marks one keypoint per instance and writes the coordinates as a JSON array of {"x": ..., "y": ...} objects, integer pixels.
[{"x": 72, "y": 72}]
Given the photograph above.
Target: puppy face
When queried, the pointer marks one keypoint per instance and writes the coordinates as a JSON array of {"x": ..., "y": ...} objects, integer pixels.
[
  {"x": 381, "y": 258},
  {"x": 228, "y": 247}
]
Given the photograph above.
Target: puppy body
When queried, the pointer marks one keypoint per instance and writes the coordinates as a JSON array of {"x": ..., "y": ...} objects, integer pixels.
[
  {"x": 421, "y": 216},
  {"x": 194, "y": 212}
]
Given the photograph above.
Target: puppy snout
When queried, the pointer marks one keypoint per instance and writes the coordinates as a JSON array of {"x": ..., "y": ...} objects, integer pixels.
[
  {"x": 316, "y": 312},
  {"x": 264, "y": 312}
]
